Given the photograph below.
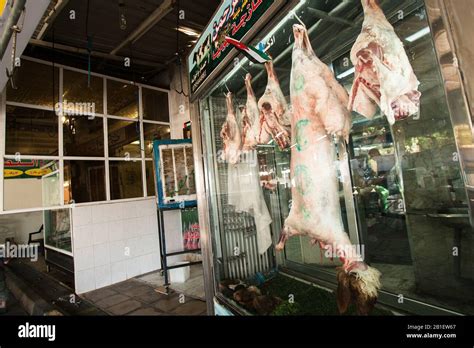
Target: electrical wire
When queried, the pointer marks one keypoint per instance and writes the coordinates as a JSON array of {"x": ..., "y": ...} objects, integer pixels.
[
  {"x": 54, "y": 69},
  {"x": 89, "y": 46},
  {"x": 177, "y": 52}
]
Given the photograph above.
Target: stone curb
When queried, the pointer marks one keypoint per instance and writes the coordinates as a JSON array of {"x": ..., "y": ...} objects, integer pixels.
[{"x": 31, "y": 302}]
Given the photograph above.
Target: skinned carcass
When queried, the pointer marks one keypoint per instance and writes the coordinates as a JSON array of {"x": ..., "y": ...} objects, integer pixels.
[
  {"x": 320, "y": 113},
  {"x": 243, "y": 178},
  {"x": 253, "y": 131},
  {"x": 230, "y": 134},
  {"x": 275, "y": 116},
  {"x": 383, "y": 73}
]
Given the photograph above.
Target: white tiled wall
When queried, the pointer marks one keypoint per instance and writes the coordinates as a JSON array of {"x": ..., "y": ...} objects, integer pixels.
[
  {"x": 174, "y": 236},
  {"x": 114, "y": 242}
]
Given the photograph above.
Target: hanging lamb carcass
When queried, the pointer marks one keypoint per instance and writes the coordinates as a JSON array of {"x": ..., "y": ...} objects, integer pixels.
[{"x": 319, "y": 113}]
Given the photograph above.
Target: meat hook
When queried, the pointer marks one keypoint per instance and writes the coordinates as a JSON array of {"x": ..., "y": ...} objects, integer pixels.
[
  {"x": 298, "y": 19},
  {"x": 243, "y": 67},
  {"x": 16, "y": 30}
]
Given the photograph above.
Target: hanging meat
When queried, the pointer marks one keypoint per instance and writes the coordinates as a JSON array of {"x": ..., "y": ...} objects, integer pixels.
[
  {"x": 383, "y": 73},
  {"x": 320, "y": 114},
  {"x": 230, "y": 134},
  {"x": 243, "y": 179},
  {"x": 253, "y": 132},
  {"x": 275, "y": 116}
]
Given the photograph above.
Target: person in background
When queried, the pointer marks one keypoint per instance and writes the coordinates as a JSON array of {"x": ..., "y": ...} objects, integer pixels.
[
  {"x": 376, "y": 176},
  {"x": 373, "y": 155},
  {"x": 375, "y": 193}
]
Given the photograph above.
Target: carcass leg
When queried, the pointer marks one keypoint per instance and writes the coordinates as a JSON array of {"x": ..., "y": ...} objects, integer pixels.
[
  {"x": 286, "y": 233},
  {"x": 321, "y": 247},
  {"x": 354, "y": 92},
  {"x": 281, "y": 242}
]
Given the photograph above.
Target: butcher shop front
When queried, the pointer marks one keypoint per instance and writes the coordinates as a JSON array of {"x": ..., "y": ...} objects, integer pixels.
[{"x": 337, "y": 151}]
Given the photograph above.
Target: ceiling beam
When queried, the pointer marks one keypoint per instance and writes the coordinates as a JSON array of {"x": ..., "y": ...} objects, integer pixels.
[
  {"x": 51, "y": 17},
  {"x": 324, "y": 15},
  {"x": 157, "y": 15},
  {"x": 84, "y": 51}
]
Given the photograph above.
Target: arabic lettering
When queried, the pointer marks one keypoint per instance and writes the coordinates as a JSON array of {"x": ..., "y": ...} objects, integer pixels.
[
  {"x": 12, "y": 163},
  {"x": 251, "y": 7}
]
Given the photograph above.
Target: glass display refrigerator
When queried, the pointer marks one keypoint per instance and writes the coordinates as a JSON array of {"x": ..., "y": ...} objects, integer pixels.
[
  {"x": 56, "y": 224},
  {"x": 400, "y": 190}
]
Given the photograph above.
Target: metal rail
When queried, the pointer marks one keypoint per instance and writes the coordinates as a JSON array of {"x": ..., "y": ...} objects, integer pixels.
[{"x": 10, "y": 23}]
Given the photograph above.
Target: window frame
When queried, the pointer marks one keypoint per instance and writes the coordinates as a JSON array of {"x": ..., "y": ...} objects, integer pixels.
[{"x": 61, "y": 158}]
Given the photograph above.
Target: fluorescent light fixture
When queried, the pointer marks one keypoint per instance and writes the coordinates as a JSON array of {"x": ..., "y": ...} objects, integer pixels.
[
  {"x": 189, "y": 31},
  {"x": 418, "y": 35},
  {"x": 346, "y": 73},
  {"x": 137, "y": 142}
]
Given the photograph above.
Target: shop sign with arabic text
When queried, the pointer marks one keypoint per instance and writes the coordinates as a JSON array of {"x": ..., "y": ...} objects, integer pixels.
[
  {"x": 234, "y": 18},
  {"x": 25, "y": 169}
]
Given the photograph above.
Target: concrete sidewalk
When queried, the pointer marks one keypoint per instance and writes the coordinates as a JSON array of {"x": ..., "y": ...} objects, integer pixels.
[
  {"x": 40, "y": 294},
  {"x": 14, "y": 307},
  {"x": 134, "y": 297}
]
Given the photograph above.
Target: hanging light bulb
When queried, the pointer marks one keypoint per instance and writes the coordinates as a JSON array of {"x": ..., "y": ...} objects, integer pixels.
[
  {"x": 122, "y": 18},
  {"x": 123, "y": 22}
]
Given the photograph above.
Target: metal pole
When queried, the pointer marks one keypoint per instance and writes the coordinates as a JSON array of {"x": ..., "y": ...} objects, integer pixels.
[
  {"x": 157, "y": 15},
  {"x": 84, "y": 51},
  {"x": 164, "y": 261},
  {"x": 324, "y": 15},
  {"x": 12, "y": 20}
]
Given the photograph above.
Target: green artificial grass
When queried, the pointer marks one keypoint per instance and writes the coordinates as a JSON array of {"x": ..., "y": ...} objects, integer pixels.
[{"x": 308, "y": 299}]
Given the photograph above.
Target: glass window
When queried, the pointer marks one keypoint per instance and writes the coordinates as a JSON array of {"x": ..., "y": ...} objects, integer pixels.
[
  {"x": 399, "y": 191},
  {"x": 28, "y": 77},
  {"x": 154, "y": 132},
  {"x": 31, "y": 132},
  {"x": 122, "y": 99},
  {"x": 126, "y": 179},
  {"x": 155, "y": 105},
  {"x": 57, "y": 229},
  {"x": 124, "y": 138},
  {"x": 83, "y": 136},
  {"x": 177, "y": 177},
  {"x": 30, "y": 183},
  {"x": 84, "y": 181},
  {"x": 150, "y": 178},
  {"x": 77, "y": 91}
]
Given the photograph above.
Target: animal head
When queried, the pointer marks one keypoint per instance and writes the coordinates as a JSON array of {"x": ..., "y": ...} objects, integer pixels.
[{"x": 353, "y": 289}]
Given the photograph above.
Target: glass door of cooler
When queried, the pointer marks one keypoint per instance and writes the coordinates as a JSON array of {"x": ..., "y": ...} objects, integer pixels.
[
  {"x": 234, "y": 229},
  {"x": 57, "y": 226},
  {"x": 408, "y": 188}
]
